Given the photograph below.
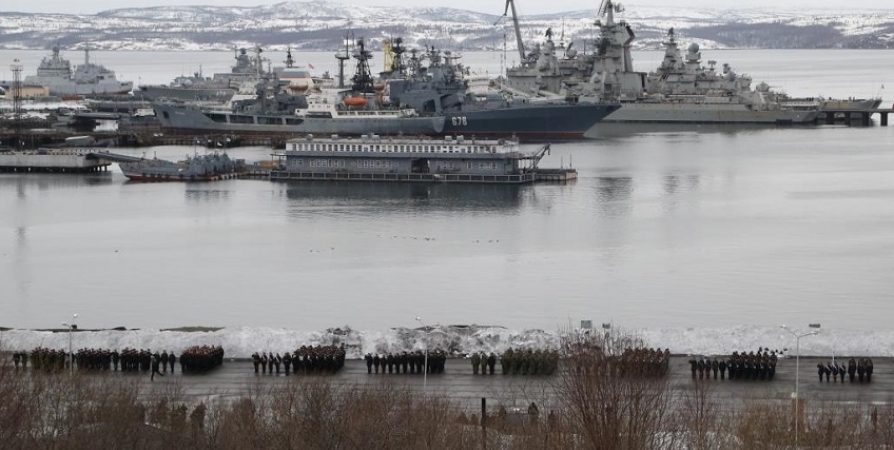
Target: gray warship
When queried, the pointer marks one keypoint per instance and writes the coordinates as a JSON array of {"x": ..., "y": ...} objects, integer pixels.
[
  {"x": 348, "y": 112},
  {"x": 681, "y": 90},
  {"x": 208, "y": 167},
  {"x": 441, "y": 88},
  {"x": 88, "y": 79},
  {"x": 218, "y": 88}
]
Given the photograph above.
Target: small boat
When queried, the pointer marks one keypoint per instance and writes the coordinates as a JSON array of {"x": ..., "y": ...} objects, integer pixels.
[{"x": 210, "y": 167}]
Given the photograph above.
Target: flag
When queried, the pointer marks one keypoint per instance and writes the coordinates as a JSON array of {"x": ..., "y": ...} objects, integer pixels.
[{"x": 310, "y": 65}]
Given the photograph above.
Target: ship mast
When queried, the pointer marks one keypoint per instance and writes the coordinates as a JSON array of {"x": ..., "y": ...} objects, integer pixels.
[{"x": 518, "y": 36}]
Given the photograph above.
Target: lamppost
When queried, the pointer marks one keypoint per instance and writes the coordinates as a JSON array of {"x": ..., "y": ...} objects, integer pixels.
[
  {"x": 425, "y": 363},
  {"x": 71, "y": 326},
  {"x": 798, "y": 369}
]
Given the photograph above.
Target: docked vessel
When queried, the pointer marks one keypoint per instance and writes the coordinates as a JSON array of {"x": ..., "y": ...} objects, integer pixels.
[
  {"x": 351, "y": 112},
  {"x": 208, "y": 167},
  {"x": 442, "y": 88},
  {"x": 680, "y": 90},
  {"x": 88, "y": 79},
  {"x": 419, "y": 159},
  {"x": 218, "y": 88}
]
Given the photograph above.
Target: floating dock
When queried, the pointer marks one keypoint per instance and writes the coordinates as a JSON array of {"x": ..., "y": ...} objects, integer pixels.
[{"x": 52, "y": 161}]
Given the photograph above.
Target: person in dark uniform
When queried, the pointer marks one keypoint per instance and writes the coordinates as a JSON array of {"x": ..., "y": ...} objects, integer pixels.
[
  {"x": 722, "y": 367},
  {"x": 376, "y": 361},
  {"x": 263, "y": 363},
  {"x": 172, "y": 358},
  {"x": 255, "y": 361},
  {"x": 155, "y": 364},
  {"x": 389, "y": 361},
  {"x": 164, "y": 361},
  {"x": 369, "y": 363},
  {"x": 715, "y": 367},
  {"x": 286, "y": 361},
  {"x": 491, "y": 362},
  {"x": 693, "y": 365},
  {"x": 476, "y": 361},
  {"x": 852, "y": 369}
]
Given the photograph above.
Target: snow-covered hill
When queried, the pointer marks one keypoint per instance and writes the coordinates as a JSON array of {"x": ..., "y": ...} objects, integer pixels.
[{"x": 321, "y": 25}]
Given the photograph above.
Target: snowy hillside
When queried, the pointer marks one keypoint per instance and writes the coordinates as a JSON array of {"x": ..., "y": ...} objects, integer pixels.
[{"x": 320, "y": 25}]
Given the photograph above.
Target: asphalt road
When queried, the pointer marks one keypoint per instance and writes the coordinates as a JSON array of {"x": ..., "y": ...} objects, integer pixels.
[{"x": 235, "y": 378}]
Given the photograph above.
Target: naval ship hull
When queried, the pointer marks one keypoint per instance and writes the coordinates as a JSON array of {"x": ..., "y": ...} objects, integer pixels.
[
  {"x": 152, "y": 93},
  {"x": 669, "y": 112},
  {"x": 63, "y": 88},
  {"x": 546, "y": 121},
  {"x": 193, "y": 120}
]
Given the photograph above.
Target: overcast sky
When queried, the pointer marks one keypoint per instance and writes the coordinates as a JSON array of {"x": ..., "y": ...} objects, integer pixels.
[{"x": 490, "y": 6}]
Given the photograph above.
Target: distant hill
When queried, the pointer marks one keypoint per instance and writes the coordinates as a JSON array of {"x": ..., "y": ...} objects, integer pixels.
[{"x": 320, "y": 25}]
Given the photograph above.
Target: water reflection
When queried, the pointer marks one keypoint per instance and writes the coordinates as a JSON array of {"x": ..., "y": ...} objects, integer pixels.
[
  {"x": 23, "y": 182},
  {"x": 397, "y": 196},
  {"x": 614, "y": 195},
  {"x": 605, "y": 130},
  {"x": 207, "y": 195}
]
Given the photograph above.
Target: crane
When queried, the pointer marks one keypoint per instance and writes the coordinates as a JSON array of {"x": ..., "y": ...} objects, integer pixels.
[{"x": 518, "y": 36}]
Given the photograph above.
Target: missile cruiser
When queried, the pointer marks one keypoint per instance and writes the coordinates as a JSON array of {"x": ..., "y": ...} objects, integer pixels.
[{"x": 87, "y": 79}]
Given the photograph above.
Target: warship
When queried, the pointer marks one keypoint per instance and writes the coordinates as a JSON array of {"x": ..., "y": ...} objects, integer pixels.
[
  {"x": 218, "y": 88},
  {"x": 208, "y": 167},
  {"x": 349, "y": 112},
  {"x": 88, "y": 79},
  {"x": 443, "y": 88},
  {"x": 681, "y": 90}
]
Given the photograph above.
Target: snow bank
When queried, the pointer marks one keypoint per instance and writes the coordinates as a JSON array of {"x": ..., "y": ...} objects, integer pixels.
[{"x": 242, "y": 342}]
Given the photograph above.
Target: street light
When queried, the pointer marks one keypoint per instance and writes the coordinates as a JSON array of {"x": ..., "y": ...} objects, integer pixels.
[
  {"x": 425, "y": 363},
  {"x": 71, "y": 327},
  {"x": 798, "y": 368}
]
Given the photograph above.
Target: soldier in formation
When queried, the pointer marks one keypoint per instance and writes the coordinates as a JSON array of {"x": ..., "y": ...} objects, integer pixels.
[
  {"x": 760, "y": 365},
  {"x": 486, "y": 362},
  {"x": 406, "y": 362},
  {"x": 48, "y": 360},
  {"x": 202, "y": 358},
  {"x": 305, "y": 360},
  {"x": 528, "y": 362},
  {"x": 856, "y": 370}
]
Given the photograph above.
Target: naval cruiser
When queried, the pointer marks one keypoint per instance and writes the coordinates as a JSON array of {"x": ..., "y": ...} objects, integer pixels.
[
  {"x": 86, "y": 80},
  {"x": 418, "y": 104},
  {"x": 681, "y": 90}
]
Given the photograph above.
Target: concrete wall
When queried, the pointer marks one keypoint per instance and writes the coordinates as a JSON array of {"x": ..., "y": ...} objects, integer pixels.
[
  {"x": 48, "y": 161},
  {"x": 329, "y": 164}
]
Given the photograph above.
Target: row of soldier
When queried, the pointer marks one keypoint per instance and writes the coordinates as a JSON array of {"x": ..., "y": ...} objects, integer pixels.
[
  {"x": 740, "y": 366},
  {"x": 529, "y": 362},
  {"x": 485, "y": 361},
  {"x": 201, "y": 358},
  {"x": 133, "y": 360},
  {"x": 307, "y": 359},
  {"x": 632, "y": 362},
  {"x": 404, "y": 362},
  {"x": 856, "y": 370}
]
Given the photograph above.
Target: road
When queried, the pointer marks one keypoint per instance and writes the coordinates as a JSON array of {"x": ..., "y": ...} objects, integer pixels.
[{"x": 235, "y": 378}]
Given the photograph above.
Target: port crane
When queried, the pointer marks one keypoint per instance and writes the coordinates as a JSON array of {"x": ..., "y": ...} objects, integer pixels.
[{"x": 518, "y": 36}]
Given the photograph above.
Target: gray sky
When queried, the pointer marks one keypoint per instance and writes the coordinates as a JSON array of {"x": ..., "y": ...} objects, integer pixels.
[{"x": 495, "y": 6}]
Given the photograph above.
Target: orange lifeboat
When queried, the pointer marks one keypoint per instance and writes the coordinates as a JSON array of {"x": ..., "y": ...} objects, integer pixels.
[{"x": 355, "y": 101}]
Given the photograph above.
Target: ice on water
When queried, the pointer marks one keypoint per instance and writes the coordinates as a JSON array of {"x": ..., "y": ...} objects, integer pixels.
[{"x": 456, "y": 339}]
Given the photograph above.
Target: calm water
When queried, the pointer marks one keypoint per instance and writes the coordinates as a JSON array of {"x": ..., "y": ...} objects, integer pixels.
[{"x": 666, "y": 227}]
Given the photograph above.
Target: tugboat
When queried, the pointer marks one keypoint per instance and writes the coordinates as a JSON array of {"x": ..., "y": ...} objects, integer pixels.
[
  {"x": 86, "y": 80},
  {"x": 210, "y": 167}
]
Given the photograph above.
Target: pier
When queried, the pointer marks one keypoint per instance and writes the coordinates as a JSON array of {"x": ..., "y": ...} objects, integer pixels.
[
  {"x": 60, "y": 161},
  {"x": 849, "y": 116}
]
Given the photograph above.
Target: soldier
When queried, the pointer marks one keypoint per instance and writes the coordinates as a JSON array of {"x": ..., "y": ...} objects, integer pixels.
[
  {"x": 376, "y": 361},
  {"x": 476, "y": 361},
  {"x": 263, "y": 363},
  {"x": 869, "y": 368},
  {"x": 255, "y": 361},
  {"x": 389, "y": 361},
  {"x": 693, "y": 365},
  {"x": 722, "y": 367},
  {"x": 277, "y": 360},
  {"x": 155, "y": 363},
  {"x": 369, "y": 363},
  {"x": 115, "y": 358},
  {"x": 715, "y": 367},
  {"x": 506, "y": 361},
  {"x": 820, "y": 370},
  {"x": 834, "y": 369},
  {"x": 286, "y": 361},
  {"x": 171, "y": 359},
  {"x": 491, "y": 362},
  {"x": 861, "y": 370},
  {"x": 852, "y": 369},
  {"x": 164, "y": 361},
  {"x": 16, "y": 359}
]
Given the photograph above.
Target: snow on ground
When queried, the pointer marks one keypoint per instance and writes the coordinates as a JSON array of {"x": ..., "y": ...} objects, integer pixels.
[{"x": 242, "y": 342}]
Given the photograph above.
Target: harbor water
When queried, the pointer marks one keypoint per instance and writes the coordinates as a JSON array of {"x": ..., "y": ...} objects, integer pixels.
[{"x": 667, "y": 227}]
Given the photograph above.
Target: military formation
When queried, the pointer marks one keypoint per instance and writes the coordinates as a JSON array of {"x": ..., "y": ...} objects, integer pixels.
[
  {"x": 43, "y": 359},
  {"x": 856, "y": 370},
  {"x": 483, "y": 361},
  {"x": 760, "y": 365},
  {"x": 201, "y": 358},
  {"x": 305, "y": 360},
  {"x": 639, "y": 362},
  {"x": 406, "y": 362},
  {"x": 529, "y": 362}
]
